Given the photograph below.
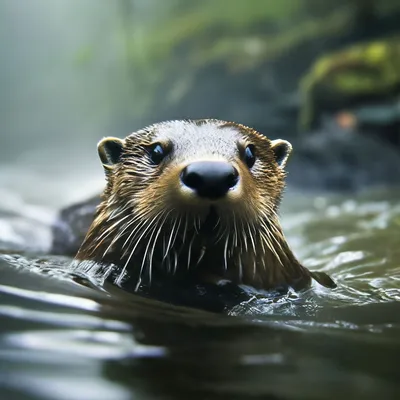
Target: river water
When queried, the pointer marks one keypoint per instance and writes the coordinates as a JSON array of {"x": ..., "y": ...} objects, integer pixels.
[{"x": 69, "y": 337}]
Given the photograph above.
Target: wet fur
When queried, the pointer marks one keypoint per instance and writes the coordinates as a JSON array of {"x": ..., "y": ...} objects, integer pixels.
[{"x": 149, "y": 228}]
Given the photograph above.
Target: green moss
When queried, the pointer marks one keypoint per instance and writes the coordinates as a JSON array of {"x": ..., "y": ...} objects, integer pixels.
[
  {"x": 364, "y": 70},
  {"x": 248, "y": 52},
  {"x": 241, "y": 36},
  {"x": 236, "y": 34},
  {"x": 218, "y": 18}
]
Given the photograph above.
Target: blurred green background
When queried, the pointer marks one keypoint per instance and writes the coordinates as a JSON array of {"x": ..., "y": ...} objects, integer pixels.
[{"x": 323, "y": 74}]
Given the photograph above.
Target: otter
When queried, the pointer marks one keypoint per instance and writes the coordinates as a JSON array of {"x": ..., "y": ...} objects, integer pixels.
[{"x": 194, "y": 200}]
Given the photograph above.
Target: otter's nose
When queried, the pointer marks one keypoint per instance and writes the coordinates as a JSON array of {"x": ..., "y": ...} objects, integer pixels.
[{"x": 211, "y": 179}]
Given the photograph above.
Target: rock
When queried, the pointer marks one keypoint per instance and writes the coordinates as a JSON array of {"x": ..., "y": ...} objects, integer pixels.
[
  {"x": 335, "y": 160},
  {"x": 71, "y": 226}
]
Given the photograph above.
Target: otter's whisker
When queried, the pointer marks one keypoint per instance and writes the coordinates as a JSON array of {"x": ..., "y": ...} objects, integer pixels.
[
  {"x": 202, "y": 252},
  {"x": 145, "y": 254},
  {"x": 176, "y": 232},
  {"x": 142, "y": 219},
  {"x": 111, "y": 228},
  {"x": 262, "y": 240},
  {"x": 170, "y": 238},
  {"x": 244, "y": 236},
  {"x": 240, "y": 269},
  {"x": 118, "y": 211},
  {"x": 154, "y": 245},
  {"x": 197, "y": 220},
  {"x": 175, "y": 261},
  {"x": 218, "y": 221},
  {"x": 225, "y": 249},
  {"x": 161, "y": 226},
  {"x": 190, "y": 250},
  {"x": 101, "y": 240},
  {"x": 134, "y": 248},
  {"x": 136, "y": 231},
  {"x": 264, "y": 233},
  {"x": 251, "y": 237},
  {"x": 138, "y": 282},
  {"x": 235, "y": 233},
  {"x": 163, "y": 246},
  {"x": 263, "y": 263},
  {"x": 118, "y": 236},
  {"x": 168, "y": 259},
  {"x": 131, "y": 239},
  {"x": 270, "y": 245},
  {"x": 275, "y": 236},
  {"x": 272, "y": 226},
  {"x": 185, "y": 229},
  {"x": 221, "y": 234}
]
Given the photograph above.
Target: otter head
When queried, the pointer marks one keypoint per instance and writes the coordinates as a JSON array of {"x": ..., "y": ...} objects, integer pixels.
[{"x": 194, "y": 198}]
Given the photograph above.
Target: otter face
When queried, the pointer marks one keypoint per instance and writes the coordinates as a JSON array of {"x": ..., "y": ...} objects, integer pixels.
[
  {"x": 190, "y": 167},
  {"x": 202, "y": 194},
  {"x": 198, "y": 199}
]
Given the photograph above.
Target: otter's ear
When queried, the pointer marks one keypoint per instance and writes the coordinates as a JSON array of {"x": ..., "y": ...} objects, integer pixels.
[
  {"x": 110, "y": 149},
  {"x": 282, "y": 150}
]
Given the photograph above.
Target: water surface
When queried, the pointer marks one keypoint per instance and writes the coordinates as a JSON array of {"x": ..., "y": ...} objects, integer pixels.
[{"x": 64, "y": 336}]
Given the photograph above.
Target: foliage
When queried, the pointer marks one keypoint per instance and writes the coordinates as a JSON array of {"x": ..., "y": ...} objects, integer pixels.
[
  {"x": 363, "y": 71},
  {"x": 166, "y": 45}
]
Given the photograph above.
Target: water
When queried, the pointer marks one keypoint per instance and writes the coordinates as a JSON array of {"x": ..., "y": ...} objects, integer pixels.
[{"x": 64, "y": 336}]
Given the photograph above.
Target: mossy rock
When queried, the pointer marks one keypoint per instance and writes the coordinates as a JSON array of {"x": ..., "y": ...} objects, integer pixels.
[{"x": 360, "y": 74}]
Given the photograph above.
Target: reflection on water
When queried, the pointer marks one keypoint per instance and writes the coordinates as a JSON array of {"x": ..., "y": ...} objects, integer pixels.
[{"x": 67, "y": 337}]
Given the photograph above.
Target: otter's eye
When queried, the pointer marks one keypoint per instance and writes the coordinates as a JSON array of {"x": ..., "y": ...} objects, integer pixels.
[
  {"x": 249, "y": 155},
  {"x": 157, "y": 153}
]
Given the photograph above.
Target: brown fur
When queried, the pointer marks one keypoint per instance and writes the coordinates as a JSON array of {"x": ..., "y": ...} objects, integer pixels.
[{"x": 149, "y": 227}]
